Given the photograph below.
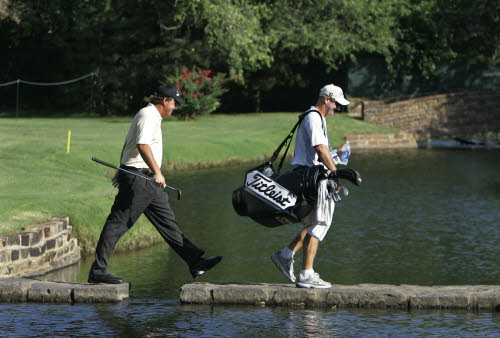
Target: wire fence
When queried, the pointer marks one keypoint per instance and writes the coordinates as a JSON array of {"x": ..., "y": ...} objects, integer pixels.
[{"x": 18, "y": 82}]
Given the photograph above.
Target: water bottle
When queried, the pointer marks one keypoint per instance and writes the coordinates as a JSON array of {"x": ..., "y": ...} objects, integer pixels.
[
  {"x": 344, "y": 157},
  {"x": 335, "y": 156}
]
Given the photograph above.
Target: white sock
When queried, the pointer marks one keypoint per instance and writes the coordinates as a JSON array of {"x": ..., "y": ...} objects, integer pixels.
[
  {"x": 305, "y": 274},
  {"x": 286, "y": 253}
]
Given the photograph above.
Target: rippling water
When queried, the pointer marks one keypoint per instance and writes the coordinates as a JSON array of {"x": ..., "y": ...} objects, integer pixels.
[
  {"x": 154, "y": 317},
  {"x": 425, "y": 217}
]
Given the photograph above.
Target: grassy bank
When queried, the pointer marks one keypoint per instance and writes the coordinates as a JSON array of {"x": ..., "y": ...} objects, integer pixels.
[{"x": 39, "y": 178}]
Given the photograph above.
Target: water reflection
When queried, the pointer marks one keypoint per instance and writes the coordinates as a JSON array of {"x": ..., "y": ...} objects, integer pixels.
[{"x": 143, "y": 317}]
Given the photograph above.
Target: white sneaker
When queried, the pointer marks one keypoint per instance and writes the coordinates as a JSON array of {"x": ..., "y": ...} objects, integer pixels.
[
  {"x": 313, "y": 282},
  {"x": 285, "y": 266}
]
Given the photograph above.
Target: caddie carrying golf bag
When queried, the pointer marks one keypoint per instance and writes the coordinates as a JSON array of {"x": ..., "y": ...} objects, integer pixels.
[{"x": 273, "y": 199}]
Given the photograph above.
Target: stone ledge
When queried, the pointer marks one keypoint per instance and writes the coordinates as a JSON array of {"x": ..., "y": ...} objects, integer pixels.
[
  {"x": 39, "y": 249},
  {"x": 18, "y": 290},
  {"x": 485, "y": 297},
  {"x": 470, "y": 114},
  {"x": 381, "y": 141}
]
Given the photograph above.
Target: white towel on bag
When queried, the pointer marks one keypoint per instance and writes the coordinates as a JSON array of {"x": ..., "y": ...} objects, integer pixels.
[
  {"x": 324, "y": 204},
  {"x": 318, "y": 221}
]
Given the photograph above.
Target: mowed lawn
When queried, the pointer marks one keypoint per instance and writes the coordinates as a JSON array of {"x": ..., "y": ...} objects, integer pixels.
[{"x": 39, "y": 178}]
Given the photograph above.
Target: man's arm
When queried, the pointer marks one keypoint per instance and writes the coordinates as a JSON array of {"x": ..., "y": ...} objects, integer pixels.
[
  {"x": 123, "y": 149},
  {"x": 325, "y": 157},
  {"x": 147, "y": 156},
  {"x": 115, "y": 178}
]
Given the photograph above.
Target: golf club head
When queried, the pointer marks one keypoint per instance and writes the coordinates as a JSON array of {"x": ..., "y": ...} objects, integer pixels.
[
  {"x": 179, "y": 193},
  {"x": 349, "y": 174}
]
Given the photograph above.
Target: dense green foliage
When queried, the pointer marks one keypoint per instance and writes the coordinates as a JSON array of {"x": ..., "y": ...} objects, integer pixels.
[
  {"x": 268, "y": 45},
  {"x": 434, "y": 32}
]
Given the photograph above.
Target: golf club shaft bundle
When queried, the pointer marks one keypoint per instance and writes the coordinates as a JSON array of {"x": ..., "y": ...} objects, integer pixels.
[{"x": 179, "y": 193}]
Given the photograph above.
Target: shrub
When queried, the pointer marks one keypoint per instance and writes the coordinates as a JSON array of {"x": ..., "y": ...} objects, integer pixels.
[{"x": 201, "y": 89}]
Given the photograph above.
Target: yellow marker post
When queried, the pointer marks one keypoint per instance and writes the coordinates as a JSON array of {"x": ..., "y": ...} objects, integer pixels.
[{"x": 69, "y": 140}]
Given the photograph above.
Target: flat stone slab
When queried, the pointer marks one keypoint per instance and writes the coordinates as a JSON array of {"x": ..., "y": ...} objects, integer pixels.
[
  {"x": 17, "y": 290},
  {"x": 361, "y": 296}
]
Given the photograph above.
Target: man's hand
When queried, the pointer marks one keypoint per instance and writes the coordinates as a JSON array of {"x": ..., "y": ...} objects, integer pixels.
[
  {"x": 147, "y": 156},
  {"x": 160, "y": 180},
  {"x": 333, "y": 176}
]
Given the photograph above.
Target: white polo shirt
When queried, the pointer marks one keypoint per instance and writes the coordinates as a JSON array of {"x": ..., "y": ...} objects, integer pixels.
[
  {"x": 145, "y": 129},
  {"x": 312, "y": 132}
]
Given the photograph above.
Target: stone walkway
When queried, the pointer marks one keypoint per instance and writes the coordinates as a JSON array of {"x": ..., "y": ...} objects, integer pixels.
[
  {"x": 485, "y": 297},
  {"x": 18, "y": 290}
]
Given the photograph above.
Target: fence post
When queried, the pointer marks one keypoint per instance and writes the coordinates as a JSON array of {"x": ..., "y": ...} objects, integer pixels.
[
  {"x": 17, "y": 97},
  {"x": 91, "y": 92}
]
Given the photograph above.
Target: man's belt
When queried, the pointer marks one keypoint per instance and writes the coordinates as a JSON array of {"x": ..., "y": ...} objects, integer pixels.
[{"x": 142, "y": 171}]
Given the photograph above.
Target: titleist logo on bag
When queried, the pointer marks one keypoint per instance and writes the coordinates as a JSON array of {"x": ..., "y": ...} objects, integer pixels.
[{"x": 270, "y": 191}]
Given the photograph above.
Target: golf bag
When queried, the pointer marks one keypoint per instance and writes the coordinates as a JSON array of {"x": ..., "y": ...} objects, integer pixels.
[
  {"x": 273, "y": 199},
  {"x": 280, "y": 198}
]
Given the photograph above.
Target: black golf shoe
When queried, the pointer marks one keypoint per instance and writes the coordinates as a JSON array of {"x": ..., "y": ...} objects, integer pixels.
[
  {"x": 203, "y": 265},
  {"x": 107, "y": 279}
]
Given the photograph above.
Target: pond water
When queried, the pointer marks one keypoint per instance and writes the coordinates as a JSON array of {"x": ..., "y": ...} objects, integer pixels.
[{"x": 424, "y": 217}]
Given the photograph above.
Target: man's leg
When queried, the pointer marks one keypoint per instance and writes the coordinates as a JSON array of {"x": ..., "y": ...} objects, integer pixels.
[
  {"x": 308, "y": 278},
  {"x": 128, "y": 206},
  {"x": 283, "y": 259},
  {"x": 162, "y": 217},
  {"x": 298, "y": 241},
  {"x": 309, "y": 251},
  {"x": 309, "y": 245}
]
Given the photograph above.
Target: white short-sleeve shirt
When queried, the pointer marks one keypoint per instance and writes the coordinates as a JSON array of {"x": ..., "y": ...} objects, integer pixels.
[
  {"x": 312, "y": 132},
  {"x": 145, "y": 129}
]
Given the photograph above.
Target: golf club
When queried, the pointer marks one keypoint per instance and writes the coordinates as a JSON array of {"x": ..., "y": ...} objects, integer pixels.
[
  {"x": 349, "y": 174},
  {"x": 179, "y": 193}
]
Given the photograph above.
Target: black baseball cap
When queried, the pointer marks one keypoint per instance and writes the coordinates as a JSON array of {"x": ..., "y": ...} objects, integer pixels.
[{"x": 166, "y": 90}]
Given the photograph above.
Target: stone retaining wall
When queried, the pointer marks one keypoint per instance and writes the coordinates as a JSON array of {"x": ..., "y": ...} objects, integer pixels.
[
  {"x": 381, "y": 141},
  {"x": 473, "y": 114},
  {"x": 39, "y": 249}
]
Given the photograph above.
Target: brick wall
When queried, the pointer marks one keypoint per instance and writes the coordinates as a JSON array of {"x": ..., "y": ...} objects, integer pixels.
[
  {"x": 473, "y": 114},
  {"x": 39, "y": 249},
  {"x": 381, "y": 141}
]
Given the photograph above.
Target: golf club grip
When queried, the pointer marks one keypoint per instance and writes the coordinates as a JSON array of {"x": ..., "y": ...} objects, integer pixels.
[{"x": 103, "y": 163}]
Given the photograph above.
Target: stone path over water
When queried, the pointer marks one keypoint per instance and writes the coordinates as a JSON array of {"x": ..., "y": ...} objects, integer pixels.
[
  {"x": 18, "y": 290},
  {"x": 362, "y": 296}
]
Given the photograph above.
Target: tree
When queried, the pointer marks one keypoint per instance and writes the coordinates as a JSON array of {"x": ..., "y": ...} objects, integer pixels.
[
  {"x": 324, "y": 33},
  {"x": 262, "y": 41},
  {"x": 268, "y": 45},
  {"x": 233, "y": 29},
  {"x": 435, "y": 33},
  {"x": 122, "y": 40}
]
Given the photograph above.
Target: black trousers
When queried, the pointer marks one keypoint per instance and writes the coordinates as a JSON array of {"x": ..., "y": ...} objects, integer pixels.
[{"x": 135, "y": 197}]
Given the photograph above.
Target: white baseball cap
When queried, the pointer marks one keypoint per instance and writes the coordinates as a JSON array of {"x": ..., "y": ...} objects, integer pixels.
[{"x": 334, "y": 93}]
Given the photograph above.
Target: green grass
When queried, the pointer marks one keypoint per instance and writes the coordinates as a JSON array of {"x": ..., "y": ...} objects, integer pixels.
[{"x": 38, "y": 178}]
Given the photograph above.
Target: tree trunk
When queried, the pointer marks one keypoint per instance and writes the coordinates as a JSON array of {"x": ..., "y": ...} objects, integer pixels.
[{"x": 257, "y": 101}]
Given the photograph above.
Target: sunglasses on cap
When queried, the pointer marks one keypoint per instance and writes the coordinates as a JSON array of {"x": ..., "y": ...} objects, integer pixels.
[{"x": 333, "y": 100}]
